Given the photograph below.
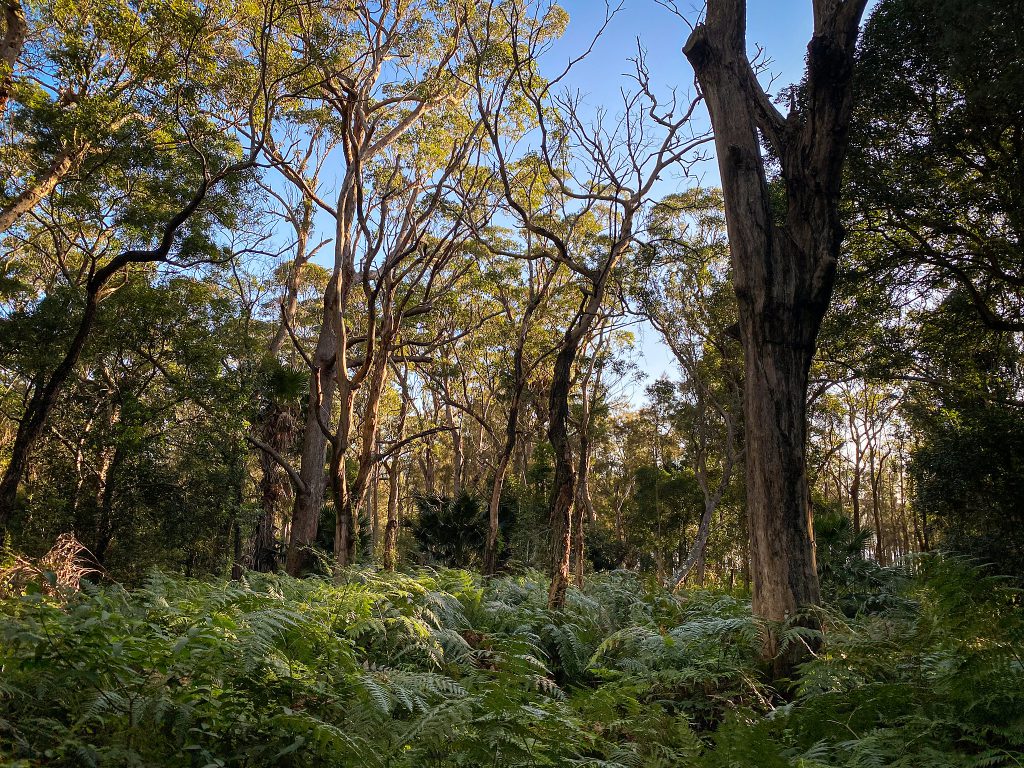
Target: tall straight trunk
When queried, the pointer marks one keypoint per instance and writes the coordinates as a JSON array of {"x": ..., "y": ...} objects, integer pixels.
[
  {"x": 309, "y": 498},
  {"x": 585, "y": 499},
  {"x": 344, "y": 535},
  {"x": 391, "y": 527},
  {"x": 105, "y": 506},
  {"x": 781, "y": 551},
  {"x": 504, "y": 458},
  {"x": 784, "y": 264},
  {"x": 394, "y": 490},
  {"x": 580, "y": 515},
  {"x": 494, "y": 506},
  {"x": 918, "y": 533},
  {"x": 277, "y": 428},
  {"x": 858, "y": 461},
  {"x": 458, "y": 446},
  {"x": 372, "y": 502},
  {"x": 881, "y": 553}
]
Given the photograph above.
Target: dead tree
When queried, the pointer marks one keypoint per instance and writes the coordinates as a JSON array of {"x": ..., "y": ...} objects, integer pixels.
[{"x": 595, "y": 172}]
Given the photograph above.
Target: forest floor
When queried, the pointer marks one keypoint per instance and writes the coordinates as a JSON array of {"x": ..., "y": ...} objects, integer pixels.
[{"x": 445, "y": 668}]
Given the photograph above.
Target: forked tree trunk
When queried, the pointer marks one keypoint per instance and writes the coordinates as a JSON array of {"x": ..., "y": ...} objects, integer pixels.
[
  {"x": 349, "y": 497},
  {"x": 563, "y": 491},
  {"x": 784, "y": 270}
]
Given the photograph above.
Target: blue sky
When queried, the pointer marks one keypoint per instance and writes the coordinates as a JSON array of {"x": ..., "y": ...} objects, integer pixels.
[{"x": 781, "y": 27}]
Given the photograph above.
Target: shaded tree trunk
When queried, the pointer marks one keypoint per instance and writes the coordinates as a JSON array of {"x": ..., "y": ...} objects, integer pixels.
[
  {"x": 580, "y": 516},
  {"x": 309, "y": 498},
  {"x": 519, "y": 382},
  {"x": 507, "y": 449},
  {"x": 277, "y": 429},
  {"x": 105, "y": 506},
  {"x": 784, "y": 271},
  {"x": 563, "y": 491},
  {"x": 391, "y": 527}
]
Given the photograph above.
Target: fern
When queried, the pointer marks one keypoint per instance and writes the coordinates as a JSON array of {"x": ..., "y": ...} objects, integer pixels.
[{"x": 441, "y": 668}]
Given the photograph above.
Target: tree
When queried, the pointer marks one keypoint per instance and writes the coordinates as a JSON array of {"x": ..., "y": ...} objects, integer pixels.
[
  {"x": 936, "y": 155},
  {"x": 784, "y": 251},
  {"x": 684, "y": 291},
  {"x": 385, "y": 81},
  {"x": 153, "y": 207},
  {"x": 597, "y": 179}
]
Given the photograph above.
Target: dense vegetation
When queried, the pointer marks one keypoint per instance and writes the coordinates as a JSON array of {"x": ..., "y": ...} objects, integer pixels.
[
  {"x": 326, "y": 435},
  {"x": 438, "y": 668}
]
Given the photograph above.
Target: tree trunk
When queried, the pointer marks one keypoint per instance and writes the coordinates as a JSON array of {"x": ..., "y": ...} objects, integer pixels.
[
  {"x": 63, "y": 164},
  {"x": 44, "y": 397},
  {"x": 457, "y": 452},
  {"x": 349, "y": 498},
  {"x": 105, "y": 506},
  {"x": 782, "y": 553},
  {"x": 344, "y": 503},
  {"x": 11, "y": 45},
  {"x": 563, "y": 491},
  {"x": 784, "y": 271},
  {"x": 881, "y": 554},
  {"x": 309, "y": 500},
  {"x": 494, "y": 506},
  {"x": 578, "y": 553},
  {"x": 391, "y": 527},
  {"x": 511, "y": 434}
]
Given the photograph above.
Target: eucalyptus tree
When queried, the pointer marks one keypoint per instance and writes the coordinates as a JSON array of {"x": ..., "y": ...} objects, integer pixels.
[
  {"x": 386, "y": 84},
  {"x": 684, "y": 290},
  {"x": 308, "y": 146},
  {"x": 600, "y": 369},
  {"x": 784, "y": 255},
  {"x": 599, "y": 176},
  {"x": 174, "y": 83},
  {"x": 528, "y": 352}
]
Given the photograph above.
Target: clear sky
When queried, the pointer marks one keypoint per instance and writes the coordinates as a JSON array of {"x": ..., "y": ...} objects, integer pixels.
[{"x": 781, "y": 27}]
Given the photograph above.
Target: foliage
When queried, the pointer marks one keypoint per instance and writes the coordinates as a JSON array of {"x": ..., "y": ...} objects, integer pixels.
[
  {"x": 441, "y": 668},
  {"x": 451, "y": 531},
  {"x": 969, "y": 477},
  {"x": 849, "y": 579}
]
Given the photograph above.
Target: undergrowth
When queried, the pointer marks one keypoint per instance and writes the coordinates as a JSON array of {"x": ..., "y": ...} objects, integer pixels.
[{"x": 441, "y": 668}]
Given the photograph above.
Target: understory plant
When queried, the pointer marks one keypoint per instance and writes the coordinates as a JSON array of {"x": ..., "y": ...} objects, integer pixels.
[{"x": 445, "y": 668}]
